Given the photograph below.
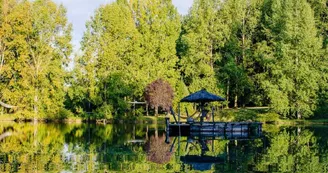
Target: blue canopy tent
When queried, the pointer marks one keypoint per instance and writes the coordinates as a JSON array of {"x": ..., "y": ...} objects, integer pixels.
[{"x": 201, "y": 97}]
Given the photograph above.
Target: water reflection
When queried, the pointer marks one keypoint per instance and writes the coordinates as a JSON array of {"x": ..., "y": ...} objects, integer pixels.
[{"x": 141, "y": 148}]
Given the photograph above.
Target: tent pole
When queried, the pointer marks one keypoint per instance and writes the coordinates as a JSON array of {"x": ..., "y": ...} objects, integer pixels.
[
  {"x": 202, "y": 113},
  {"x": 213, "y": 118},
  {"x": 179, "y": 131}
]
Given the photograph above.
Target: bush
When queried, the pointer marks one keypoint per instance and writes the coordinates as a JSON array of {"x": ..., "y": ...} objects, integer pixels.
[
  {"x": 105, "y": 111},
  {"x": 246, "y": 115},
  {"x": 225, "y": 115},
  {"x": 268, "y": 117},
  {"x": 64, "y": 113}
]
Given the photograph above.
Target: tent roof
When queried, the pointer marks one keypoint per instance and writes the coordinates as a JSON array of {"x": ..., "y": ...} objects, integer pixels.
[{"x": 202, "y": 96}]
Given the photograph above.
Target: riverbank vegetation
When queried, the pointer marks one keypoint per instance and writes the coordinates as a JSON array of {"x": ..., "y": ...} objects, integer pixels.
[{"x": 254, "y": 53}]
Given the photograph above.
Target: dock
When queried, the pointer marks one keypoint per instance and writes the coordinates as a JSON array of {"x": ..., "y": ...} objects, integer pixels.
[{"x": 204, "y": 128}]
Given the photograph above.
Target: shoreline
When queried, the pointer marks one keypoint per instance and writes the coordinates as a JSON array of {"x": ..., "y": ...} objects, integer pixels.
[
  {"x": 145, "y": 120},
  {"x": 151, "y": 120}
]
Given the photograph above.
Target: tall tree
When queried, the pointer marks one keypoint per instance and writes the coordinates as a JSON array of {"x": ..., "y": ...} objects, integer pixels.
[
  {"x": 35, "y": 46},
  {"x": 110, "y": 45},
  {"x": 133, "y": 38},
  {"x": 320, "y": 8},
  {"x": 236, "y": 66},
  {"x": 15, "y": 25},
  {"x": 158, "y": 22},
  {"x": 289, "y": 54},
  {"x": 197, "y": 46}
]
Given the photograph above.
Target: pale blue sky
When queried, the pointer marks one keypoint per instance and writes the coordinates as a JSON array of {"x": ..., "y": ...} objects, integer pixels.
[{"x": 79, "y": 11}]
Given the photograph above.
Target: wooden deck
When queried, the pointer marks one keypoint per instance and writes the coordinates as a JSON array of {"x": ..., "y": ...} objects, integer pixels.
[{"x": 212, "y": 128}]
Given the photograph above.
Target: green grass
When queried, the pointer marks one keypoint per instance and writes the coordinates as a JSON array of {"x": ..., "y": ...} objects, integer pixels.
[
  {"x": 151, "y": 119},
  {"x": 225, "y": 115}
]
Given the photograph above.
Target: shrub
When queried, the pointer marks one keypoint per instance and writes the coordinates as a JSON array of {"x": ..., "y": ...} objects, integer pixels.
[
  {"x": 64, "y": 113},
  {"x": 268, "y": 117},
  {"x": 105, "y": 111},
  {"x": 159, "y": 94}
]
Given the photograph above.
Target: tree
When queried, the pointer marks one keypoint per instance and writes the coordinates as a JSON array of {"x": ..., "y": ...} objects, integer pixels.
[
  {"x": 236, "y": 65},
  {"x": 197, "y": 46},
  {"x": 141, "y": 48},
  {"x": 158, "y": 23},
  {"x": 159, "y": 94},
  {"x": 320, "y": 8},
  {"x": 110, "y": 46},
  {"x": 35, "y": 46},
  {"x": 289, "y": 53}
]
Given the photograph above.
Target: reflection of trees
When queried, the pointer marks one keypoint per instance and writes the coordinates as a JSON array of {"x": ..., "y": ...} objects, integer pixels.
[
  {"x": 157, "y": 150},
  {"x": 28, "y": 151},
  {"x": 292, "y": 152}
]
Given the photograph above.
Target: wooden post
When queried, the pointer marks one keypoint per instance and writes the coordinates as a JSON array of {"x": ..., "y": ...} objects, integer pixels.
[
  {"x": 179, "y": 116},
  {"x": 167, "y": 120},
  {"x": 179, "y": 127},
  {"x": 201, "y": 114},
  {"x": 213, "y": 118},
  {"x": 224, "y": 129}
]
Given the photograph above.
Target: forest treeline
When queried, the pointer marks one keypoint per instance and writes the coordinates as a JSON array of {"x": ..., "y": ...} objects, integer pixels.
[{"x": 252, "y": 52}]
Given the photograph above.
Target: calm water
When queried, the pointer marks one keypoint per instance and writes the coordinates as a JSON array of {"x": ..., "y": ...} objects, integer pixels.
[{"x": 141, "y": 148}]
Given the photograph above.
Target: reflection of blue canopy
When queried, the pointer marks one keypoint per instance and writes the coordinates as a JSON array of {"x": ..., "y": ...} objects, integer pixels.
[
  {"x": 201, "y": 163},
  {"x": 202, "y": 96}
]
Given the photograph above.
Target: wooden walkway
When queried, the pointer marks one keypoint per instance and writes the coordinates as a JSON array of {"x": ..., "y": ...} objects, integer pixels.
[{"x": 217, "y": 127}]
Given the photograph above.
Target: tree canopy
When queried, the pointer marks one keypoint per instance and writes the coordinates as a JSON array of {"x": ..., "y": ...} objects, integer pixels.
[{"x": 255, "y": 53}]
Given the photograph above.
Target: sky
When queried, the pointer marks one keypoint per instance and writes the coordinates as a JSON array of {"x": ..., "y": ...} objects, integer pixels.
[{"x": 79, "y": 11}]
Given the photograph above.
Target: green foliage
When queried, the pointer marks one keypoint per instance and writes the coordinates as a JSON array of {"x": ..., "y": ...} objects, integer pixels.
[
  {"x": 104, "y": 112},
  {"x": 120, "y": 39},
  {"x": 268, "y": 117},
  {"x": 292, "y": 152},
  {"x": 159, "y": 94},
  {"x": 229, "y": 115},
  {"x": 115, "y": 92},
  {"x": 236, "y": 68},
  {"x": 256, "y": 52},
  {"x": 197, "y": 44},
  {"x": 64, "y": 113},
  {"x": 34, "y": 45},
  {"x": 290, "y": 54}
]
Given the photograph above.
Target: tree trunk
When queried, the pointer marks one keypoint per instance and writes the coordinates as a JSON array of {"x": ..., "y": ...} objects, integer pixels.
[
  {"x": 35, "y": 108},
  {"x": 35, "y": 134},
  {"x": 228, "y": 94},
  {"x": 156, "y": 110},
  {"x": 1, "y": 61},
  {"x": 299, "y": 115},
  {"x": 147, "y": 133},
  {"x": 243, "y": 43},
  {"x": 156, "y": 132},
  {"x": 236, "y": 102}
]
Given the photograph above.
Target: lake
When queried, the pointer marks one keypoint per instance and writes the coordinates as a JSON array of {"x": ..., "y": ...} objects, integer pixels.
[{"x": 28, "y": 147}]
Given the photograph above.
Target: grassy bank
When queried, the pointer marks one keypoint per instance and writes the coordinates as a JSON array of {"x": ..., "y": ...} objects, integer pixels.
[
  {"x": 72, "y": 119},
  {"x": 224, "y": 115}
]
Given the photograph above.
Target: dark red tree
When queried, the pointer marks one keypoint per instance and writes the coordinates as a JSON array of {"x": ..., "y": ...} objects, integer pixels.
[
  {"x": 157, "y": 150},
  {"x": 159, "y": 94}
]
